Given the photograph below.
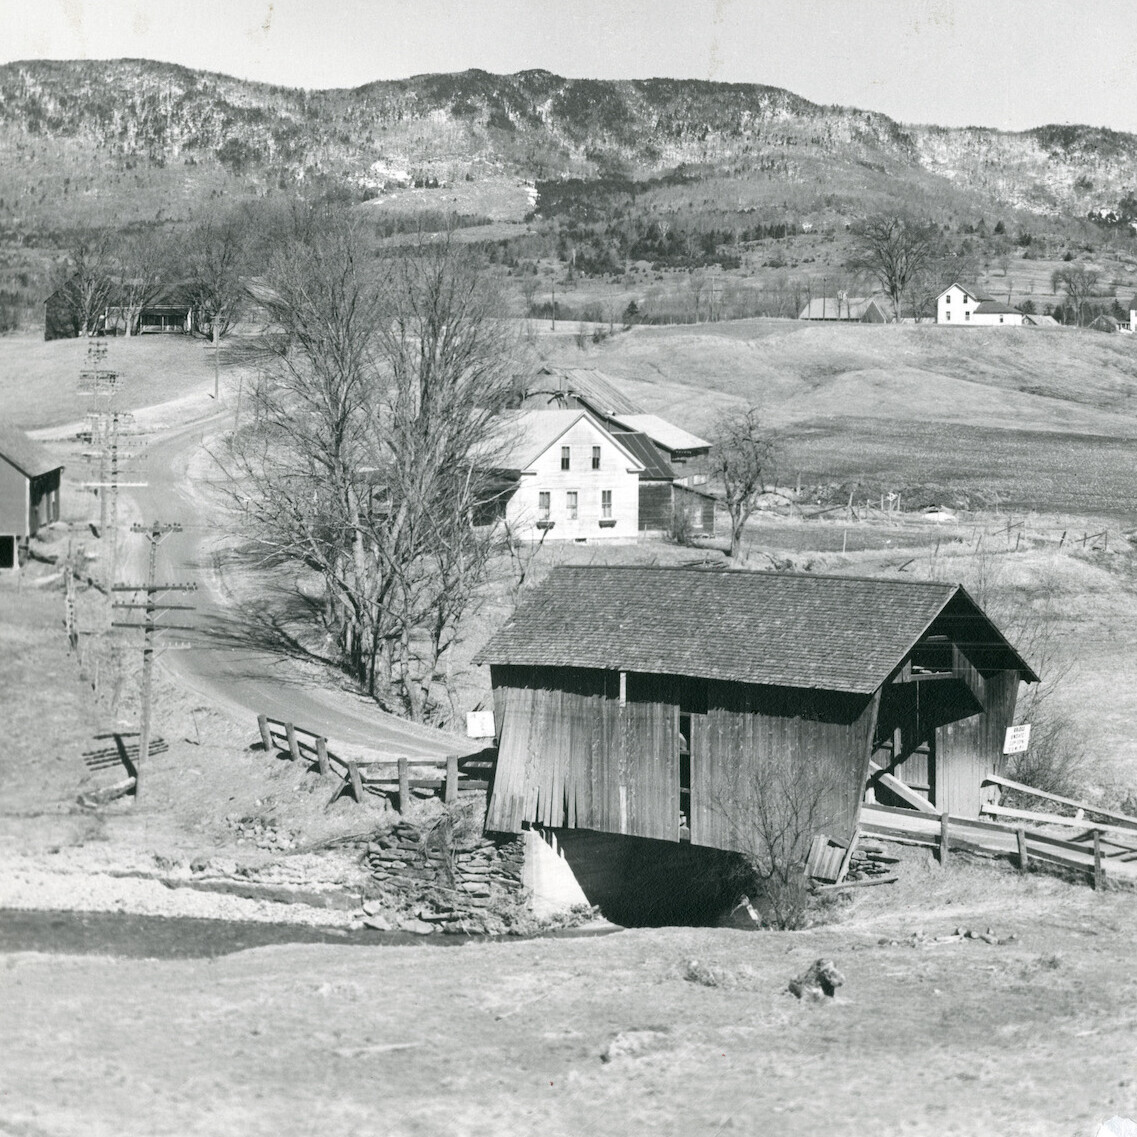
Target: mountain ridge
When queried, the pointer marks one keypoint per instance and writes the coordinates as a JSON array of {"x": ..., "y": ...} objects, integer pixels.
[{"x": 533, "y": 125}]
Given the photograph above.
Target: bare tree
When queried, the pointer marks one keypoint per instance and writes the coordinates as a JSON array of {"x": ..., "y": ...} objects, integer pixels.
[
  {"x": 369, "y": 452},
  {"x": 893, "y": 250},
  {"x": 1079, "y": 285},
  {"x": 214, "y": 258},
  {"x": 86, "y": 280},
  {"x": 142, "y": 269},
  {"x": 772, "y": 811},
  {"x": 742, "y": 454}
]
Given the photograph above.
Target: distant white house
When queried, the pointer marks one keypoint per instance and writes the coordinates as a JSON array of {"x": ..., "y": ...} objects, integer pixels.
[
  {"x": 1131, "y": 326},
  {"x": 564, "y": 477},
  {"x": 857, "y": 309},
  {"x": 966, "y": 307}
]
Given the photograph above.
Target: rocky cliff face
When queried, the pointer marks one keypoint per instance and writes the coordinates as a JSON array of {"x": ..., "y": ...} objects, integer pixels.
[{"x": 533, "y": 125}]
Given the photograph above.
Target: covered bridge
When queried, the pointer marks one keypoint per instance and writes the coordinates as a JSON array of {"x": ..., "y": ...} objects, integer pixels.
[{"x": 664, "y": 703}]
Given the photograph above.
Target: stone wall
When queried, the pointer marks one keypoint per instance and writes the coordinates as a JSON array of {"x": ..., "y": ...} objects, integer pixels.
[{"x": 470, "y": 889}]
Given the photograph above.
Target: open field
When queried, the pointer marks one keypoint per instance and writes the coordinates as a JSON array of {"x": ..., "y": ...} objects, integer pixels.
[
  {"x": 39, "y": 380},
  {"x": 1025, "y": 1038},
  {"x": 611, "y": 1034}
]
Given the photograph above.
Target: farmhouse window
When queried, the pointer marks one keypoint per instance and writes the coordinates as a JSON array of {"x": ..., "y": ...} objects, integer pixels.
[
  {"x": 947, "y": 298},
  {"x": 596, "y": 457},
  {"x": 949, "y": 315},
  {"x": 966, "y": 314},
  {"x": 544, "y": 504},
  {"x": 605, "y": 503},
  {"x": 1000, "y": 319},
  {"x": 570, "y": 505},
  {"x": 566, "y": 458}
]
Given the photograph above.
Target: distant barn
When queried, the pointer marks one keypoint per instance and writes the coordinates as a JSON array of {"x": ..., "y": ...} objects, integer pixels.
[
  {"x": 851, "y": 309},
  {"x": 29, "y": 492},
  {"x": 169, "y": 310},
  {"x": 656, "y": 703}
]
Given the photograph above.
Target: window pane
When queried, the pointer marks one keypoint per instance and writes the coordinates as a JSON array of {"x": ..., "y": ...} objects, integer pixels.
[
  {"x": 605, "y": 503},
  {"x": 565, "y": 457},
  {"x": 596, "y": 457},
  {"x": 570, "y": 504},
  {"x": 544, "y": 503}
]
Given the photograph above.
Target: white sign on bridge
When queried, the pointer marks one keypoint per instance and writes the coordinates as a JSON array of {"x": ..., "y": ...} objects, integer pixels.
[
  {"x": 479, "y": 724},
  {"x": 1017, "y": 739}
]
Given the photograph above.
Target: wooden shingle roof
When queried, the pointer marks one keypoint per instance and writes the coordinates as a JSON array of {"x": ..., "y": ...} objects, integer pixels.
[
  {"x": 782, "y": 629},
  {"x": 29, "y": 457}
]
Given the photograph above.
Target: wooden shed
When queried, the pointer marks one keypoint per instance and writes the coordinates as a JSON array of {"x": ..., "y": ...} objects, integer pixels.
[
  {"x": 662, "y": 703},
  {"x": 29, "y": 492}
]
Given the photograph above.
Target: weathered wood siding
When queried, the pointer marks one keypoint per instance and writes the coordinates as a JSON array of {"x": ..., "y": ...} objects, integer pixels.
[
  {"x": 970, "y": 749},
  {"x": 700, "y": 508},
  {"x": 13, "y": 500},
  {"x": 570, "y": 756},
  {"x": 44, "y": 501},
  {"x": 760, "y": 740},
  {"x": 655, "y": 505}
]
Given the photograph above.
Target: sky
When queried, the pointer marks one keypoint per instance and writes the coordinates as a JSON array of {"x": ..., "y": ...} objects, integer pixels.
[{"x": 1011, "y": 64}]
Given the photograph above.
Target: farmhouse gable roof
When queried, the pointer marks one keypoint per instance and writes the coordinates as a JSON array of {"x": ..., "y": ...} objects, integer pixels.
[
  {"x": 781, "y": 629},
  {"x": 27, "y": 456},
  {"x": 974, "y": 293},
  {"x": 521, "y": 437}
]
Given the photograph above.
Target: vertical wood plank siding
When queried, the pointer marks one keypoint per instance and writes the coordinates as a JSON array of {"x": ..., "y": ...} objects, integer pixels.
[
  {"x": 970, "y": 749},
  {"x": 570, "y": 756}
]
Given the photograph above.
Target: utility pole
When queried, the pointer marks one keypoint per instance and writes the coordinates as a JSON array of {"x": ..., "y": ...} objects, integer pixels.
[
  {"x": 111, "y": 456},
  {"x": 152, "y": 607},
  {"x": 101, "y": 383}
]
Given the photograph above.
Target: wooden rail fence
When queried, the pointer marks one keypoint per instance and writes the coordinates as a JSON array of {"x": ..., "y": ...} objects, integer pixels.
[
  {"x": 1099, "y": 851},
  {"x": 390, "y": 775}
]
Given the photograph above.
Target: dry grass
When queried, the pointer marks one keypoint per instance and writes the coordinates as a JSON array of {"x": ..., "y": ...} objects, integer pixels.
[{"x": 39, "y": 381}]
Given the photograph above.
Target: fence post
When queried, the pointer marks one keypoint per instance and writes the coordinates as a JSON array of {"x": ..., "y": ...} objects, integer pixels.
[
  {"x": 451, "y": 779},
  {"x": 293, "y": 745},
  {"x": 404, "y": 786},
  {"x": 1024, "y": 856},
  {"x": 356, "y": 783},
  {"x": 945, "y": 847},
  {"x": 266, "y": 738},
  {"x": 322, "y": 755},
  {"x": 1099, "y": 873}
]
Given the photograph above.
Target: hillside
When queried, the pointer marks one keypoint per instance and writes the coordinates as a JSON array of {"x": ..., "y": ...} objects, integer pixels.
[
  {"x": 133, "y": 140},
  {"x": 1034, "y": 419}
]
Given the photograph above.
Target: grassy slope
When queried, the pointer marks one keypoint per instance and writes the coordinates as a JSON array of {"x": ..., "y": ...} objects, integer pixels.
[
  {"x": 39, "y": 381},
  {"x": 1043, "y": 418}
]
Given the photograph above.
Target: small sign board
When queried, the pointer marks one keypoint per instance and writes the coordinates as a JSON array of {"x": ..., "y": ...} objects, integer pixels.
[
  {"x": 1017, "y": 739},
  {"x": 479, "y": 724}
]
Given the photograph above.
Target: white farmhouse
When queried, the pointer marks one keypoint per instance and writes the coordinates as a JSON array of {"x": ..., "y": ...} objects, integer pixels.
[
  {"x": 562, "y": 476},
  {"x": 966, "y": 307}
]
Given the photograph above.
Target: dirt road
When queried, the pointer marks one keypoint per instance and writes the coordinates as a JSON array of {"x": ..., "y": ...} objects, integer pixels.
[{"x": 226, "y": 664}]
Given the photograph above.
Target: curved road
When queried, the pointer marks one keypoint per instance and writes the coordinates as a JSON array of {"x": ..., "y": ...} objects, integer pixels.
[{"x": 225, "y": 663}]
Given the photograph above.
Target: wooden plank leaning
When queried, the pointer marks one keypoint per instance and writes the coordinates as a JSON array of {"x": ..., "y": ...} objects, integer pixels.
[{"x": 1125, "y": 820}]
